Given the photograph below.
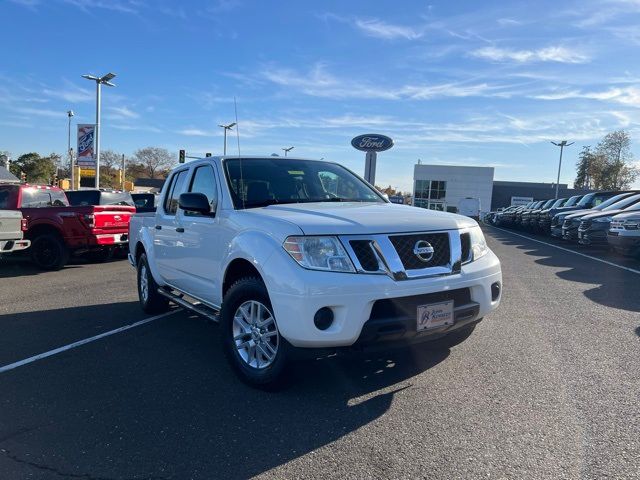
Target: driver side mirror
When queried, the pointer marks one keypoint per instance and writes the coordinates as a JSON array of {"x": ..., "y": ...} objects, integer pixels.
[{"x": 195, "y": 202}]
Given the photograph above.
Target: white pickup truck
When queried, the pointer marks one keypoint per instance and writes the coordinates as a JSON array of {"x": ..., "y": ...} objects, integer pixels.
[
  {"x": 12, "y": 227},
  {"x": 291, "y": 254}
]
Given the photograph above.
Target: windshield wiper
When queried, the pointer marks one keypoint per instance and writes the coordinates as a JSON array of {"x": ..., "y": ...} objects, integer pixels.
[{"x": 271, "y": 201}]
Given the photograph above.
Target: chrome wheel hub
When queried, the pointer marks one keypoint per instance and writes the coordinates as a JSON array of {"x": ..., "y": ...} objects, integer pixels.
[{"x": 255, "y": 334}]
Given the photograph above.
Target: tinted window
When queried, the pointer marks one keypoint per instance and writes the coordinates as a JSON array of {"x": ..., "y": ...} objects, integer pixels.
[
  {"x": 572, "y": 201},
  {"x": 258, "y": 182},
  {"x": 623, "y": 203},
  {"x": 40, "y": 197},
  {"x": 116, "y": 198},
  {"x": 81, "y": 197},
  {"x": 204, "y": 181},
  {"x": 4, "y": 199},
  {"x": 173, "y": 193}
]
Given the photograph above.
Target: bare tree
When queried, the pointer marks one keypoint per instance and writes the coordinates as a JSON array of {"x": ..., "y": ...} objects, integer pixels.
[{"x": 156, "y": 161}]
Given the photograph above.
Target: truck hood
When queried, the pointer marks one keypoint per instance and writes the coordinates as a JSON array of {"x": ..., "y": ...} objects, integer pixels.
[
  {"x": 634, "y": 215},
  {"x": 354, "y": 218},
  {"x": 600, "y": 214}
]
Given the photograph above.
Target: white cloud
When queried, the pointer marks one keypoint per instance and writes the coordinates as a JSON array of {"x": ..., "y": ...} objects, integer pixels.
[
  {"x": 625, "y": 96},
  {"x": 379, "y": 29},
  {"x": 195, "y": 132},
  {"x": 123, "y": 112},
  {"x": 70, "y": 93},
  {"x": 122, "y": 6},
  {"x": 318, "y": 82},
  {"x": 508, "y": 22},
  {"x": 547, "y": 54},
  {"x": 32, "y": 4}
]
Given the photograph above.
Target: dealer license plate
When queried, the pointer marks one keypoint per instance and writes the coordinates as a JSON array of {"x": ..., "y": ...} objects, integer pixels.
[{"x": 434, "y": 315}]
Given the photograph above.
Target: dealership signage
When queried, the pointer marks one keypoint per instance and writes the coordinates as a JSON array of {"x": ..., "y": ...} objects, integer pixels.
[
  {"x": 520, "y": 201},
  {"x": 86, "y": 151},
  {"x": 371, "y": 143}
]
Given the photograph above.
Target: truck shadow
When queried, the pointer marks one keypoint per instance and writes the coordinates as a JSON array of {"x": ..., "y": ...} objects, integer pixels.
[
  {"x": 162, "y": 401},
  {"x": 614, "y": 287},
  {"x": 20, "y": 266}
]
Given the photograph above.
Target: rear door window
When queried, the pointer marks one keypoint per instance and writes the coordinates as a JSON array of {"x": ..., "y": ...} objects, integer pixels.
[{"x": 39, "y": 198}]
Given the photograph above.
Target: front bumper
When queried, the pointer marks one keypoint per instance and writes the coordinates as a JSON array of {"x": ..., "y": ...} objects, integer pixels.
[
  {"x": 592, "y": 237},
  {"x": 556, "y": 231},
  {"x": 570, "y": 233},
  {"x": 297, "y": 294},
  {"x": 624, "y": 242}
]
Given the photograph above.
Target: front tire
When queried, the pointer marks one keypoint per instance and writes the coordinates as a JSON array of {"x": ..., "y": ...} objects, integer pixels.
[
  {"x": 250, "y": 337},
  {"x": 150, "y": 300}
]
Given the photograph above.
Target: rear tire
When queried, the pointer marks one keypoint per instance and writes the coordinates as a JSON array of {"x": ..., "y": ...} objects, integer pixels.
[
  {"x": 250, "y": 337},
  {"x": 150, "y": 300},
  {"x": 49, "y": 252}
]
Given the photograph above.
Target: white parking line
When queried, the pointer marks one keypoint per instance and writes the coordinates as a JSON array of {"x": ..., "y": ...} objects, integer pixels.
[
  {"x": 628, "y": 269},
  {"x": 40, "y": 356}
]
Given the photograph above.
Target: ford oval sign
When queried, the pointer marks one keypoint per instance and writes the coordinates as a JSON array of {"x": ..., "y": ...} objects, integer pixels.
[{"x": 372, "y": 142}]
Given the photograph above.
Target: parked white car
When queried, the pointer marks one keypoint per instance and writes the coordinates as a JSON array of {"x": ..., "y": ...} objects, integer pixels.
[
  {"x": 12, "y": 226},
  {"x": 300, "y": 254}
]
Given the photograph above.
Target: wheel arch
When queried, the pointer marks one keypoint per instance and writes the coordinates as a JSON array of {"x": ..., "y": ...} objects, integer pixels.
[{"x": 236, "y": 269}]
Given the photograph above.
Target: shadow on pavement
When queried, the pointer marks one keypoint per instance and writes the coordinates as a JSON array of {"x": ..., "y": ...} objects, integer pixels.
[
  {"x": 160, "y": 401},
  {"x": 20, "y": 265},
  {"x": 614, "y": 287}
]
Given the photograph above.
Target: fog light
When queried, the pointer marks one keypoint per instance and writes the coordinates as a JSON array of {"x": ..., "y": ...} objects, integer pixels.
[
  {"x": 323, "y": 318},
  {"x": 495, "y": 291}
]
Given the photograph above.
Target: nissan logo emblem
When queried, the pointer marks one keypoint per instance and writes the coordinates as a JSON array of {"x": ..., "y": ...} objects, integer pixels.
[{"x": 423, "y": 250}]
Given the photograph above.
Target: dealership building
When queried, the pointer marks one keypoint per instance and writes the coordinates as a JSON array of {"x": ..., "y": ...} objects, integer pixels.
[{"x": 442, "y": 187}]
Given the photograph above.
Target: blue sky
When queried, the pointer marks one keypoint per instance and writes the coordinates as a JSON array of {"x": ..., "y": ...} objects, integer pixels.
[{"x": 470, "y": 83}]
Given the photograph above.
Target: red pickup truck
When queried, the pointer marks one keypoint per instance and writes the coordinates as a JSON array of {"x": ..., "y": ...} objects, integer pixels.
[{"x": 57, "y": 230}]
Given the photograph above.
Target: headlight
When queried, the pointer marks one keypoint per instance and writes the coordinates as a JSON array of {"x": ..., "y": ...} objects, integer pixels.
[
  {"x": 478, "y": 243},
  {"x": 602, "y": 219},
  {"x": 319, "y": 253}
]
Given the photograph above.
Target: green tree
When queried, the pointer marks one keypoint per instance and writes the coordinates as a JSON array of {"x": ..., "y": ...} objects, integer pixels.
[
  {"x": 617, "y": 171},
  {"x": 37, "y": 169}
]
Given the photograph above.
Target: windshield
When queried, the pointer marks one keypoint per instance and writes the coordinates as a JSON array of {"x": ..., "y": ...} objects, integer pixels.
[
  {"x": 611, "y": 201},
  {"x": 573, "y": 200},
  {"x": 559, "y": 202},
  {"x": 623, "y": 203},
  {"x": 33, "y": 197},
  {"x": 258, "y": 182},
  {"x": 548, "y": 203}
]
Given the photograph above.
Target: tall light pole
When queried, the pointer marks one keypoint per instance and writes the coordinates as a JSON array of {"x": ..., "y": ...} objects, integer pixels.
[
  {"x": 69, "y": 115},
  {"x": 226, "y": 127},
  {"x": 104, "y": 80},
  {"x": 562, "y": 144},
  {"x": 287, "y": 150}
]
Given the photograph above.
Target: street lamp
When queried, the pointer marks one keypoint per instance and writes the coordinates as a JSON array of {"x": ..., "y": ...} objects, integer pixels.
[
  {"x": 287, "y": 150},
  {"x": 104, "y": 80},
  {"x": 562, "y": 144},
  {"x": 226, "y": 127},
  {"x": 69, "y": 115}
]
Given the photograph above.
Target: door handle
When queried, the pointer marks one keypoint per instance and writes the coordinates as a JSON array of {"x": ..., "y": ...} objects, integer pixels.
[
  {"x": 158, "y": 227},
  {"x": 180, "y": 230}
]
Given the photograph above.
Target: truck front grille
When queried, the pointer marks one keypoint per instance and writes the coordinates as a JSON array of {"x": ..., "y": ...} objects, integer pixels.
[
  {"x": 365, "y": 255},
  {"x": 465, "y": 243},
  {"x": 405, "y": 245}
]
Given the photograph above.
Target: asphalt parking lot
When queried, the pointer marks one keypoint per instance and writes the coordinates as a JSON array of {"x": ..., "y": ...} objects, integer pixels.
[{"x": 547, "y": 387}]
